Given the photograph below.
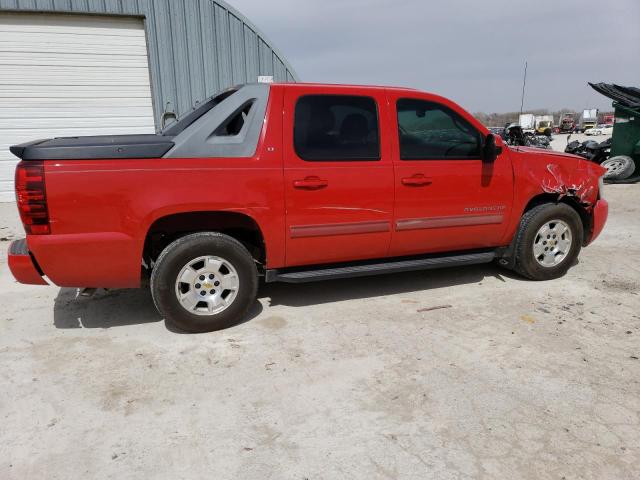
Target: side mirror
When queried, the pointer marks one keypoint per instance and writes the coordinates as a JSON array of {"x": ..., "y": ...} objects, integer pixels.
[{"x": 492, "y": 148}]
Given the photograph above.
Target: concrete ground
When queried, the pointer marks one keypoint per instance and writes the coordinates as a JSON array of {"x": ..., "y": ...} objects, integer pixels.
[{"x": 467, "y": 373}]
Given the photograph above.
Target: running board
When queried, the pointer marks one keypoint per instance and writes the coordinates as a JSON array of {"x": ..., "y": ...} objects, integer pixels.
[{"x": 380, "y": 267}]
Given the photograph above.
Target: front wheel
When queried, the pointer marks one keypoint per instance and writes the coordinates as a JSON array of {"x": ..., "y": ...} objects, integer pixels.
[
  {"x": 549, "y": 240},
  {"x": 204, "y": 281}
]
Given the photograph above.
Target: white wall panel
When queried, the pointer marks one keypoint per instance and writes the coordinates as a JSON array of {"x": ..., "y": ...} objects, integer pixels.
[{"x": 67, "y": 75}]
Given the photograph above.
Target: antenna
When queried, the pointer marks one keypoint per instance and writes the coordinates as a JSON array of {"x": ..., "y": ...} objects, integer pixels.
[{"x": 524, "y": 84}]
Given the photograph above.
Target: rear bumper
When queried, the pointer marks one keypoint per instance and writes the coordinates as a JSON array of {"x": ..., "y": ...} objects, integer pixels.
[
  {"x": 600, "y": 214},
  {"x": 22, "y": 264}
]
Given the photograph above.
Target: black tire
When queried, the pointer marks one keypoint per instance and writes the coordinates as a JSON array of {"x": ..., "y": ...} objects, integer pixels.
[
  {"x": 186, "y": 249},
  {"x": 526, "y": 263},
  {"x": 619, "y": 167}
]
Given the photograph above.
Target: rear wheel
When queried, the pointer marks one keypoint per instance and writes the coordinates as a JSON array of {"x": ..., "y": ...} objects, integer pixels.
[
  {"x": 204, "y": 282},
  {"x": 549, "y": 240}
]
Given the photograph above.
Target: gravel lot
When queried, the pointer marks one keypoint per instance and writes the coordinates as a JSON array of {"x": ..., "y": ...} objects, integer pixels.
[{"x": 363, "y": 378}]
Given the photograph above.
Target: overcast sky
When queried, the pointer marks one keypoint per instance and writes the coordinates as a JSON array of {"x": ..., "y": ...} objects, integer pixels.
[{"x": 472, "y": 51}]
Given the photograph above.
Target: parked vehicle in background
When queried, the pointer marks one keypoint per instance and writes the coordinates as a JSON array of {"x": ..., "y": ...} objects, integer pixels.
[
  {"x": 608, "y": 119},
  {"x": 567, "y": 123},
  {"x": 600, "y": 130},
  {"x": 544, "y": 125},
  {"x": 295, "y": 183},
  {"x": 589, "y": 119},
  {"x": 527, "y": 121}
]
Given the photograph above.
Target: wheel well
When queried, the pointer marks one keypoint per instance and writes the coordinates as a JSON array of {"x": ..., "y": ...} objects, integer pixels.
[
  {"x": 167, "y": 229},
  {"x": 571, "y": 201}
]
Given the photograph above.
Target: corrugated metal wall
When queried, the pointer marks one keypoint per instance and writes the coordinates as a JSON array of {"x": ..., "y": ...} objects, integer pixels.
[{"x": 196, "y": 47}]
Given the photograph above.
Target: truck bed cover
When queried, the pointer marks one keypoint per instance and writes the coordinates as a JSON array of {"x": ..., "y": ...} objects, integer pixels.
[{"x": 97, "y": 147}]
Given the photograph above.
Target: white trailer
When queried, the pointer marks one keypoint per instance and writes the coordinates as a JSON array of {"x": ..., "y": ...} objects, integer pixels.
[
  {"x": 527, "y": 121},
  {"x": 588, "y": 120}
]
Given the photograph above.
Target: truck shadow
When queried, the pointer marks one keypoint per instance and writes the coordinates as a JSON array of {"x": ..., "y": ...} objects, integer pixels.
[
  {"x": 304, "y": 294},
  {"x": 105, "y": 309},
  {"x": 113, "y": 308},
  {"x": 120, "y": 308}
]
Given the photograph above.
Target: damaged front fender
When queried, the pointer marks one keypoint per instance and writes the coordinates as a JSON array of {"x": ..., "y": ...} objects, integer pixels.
[
  {"x": 543, "y": 176},
  {"x": 558, "y": 181},
  {"x": 579, "y": 183}
]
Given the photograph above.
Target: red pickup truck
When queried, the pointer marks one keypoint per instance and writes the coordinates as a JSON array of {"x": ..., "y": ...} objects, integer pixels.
[{"x": 295, "y": 183}]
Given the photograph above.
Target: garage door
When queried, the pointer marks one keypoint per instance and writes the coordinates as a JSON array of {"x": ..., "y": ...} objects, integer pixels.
[{"x": 68, "y": 75}]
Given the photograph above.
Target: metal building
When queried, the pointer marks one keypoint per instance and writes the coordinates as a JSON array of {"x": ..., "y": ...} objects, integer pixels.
[{"x": 90, "y": 67}]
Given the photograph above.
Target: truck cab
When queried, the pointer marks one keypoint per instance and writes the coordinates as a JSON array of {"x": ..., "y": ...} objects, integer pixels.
[
  {"x": 588, "y": 120},
  {"x": 567, "y": 123}
]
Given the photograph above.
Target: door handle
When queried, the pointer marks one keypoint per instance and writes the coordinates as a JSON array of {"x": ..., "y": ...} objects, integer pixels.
[
  {"x": 310, "y": 183},
  {"x": 418, "y": 180}
]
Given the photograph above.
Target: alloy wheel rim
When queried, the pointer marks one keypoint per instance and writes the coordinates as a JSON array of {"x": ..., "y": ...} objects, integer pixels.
[
  {"x": 552, "y": 243},
  {"x": 614, "y": 166},
  {"x": 207, "y": 285}
]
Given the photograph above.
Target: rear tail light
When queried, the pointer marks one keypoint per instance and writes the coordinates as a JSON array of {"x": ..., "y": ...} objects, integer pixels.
[{"x": 32, "y": 197}]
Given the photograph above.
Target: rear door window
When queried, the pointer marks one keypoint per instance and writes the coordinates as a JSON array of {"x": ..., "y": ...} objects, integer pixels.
[{"x": 336, "y": 128}]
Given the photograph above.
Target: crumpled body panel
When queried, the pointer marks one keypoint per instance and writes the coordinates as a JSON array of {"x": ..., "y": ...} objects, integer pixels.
[
  {"x": 577, "y": 184},
  {"x": 542, "y": 171}
]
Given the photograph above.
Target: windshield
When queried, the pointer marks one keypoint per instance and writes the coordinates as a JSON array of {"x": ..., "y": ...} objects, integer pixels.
[{"x": 186, "y": 120}]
